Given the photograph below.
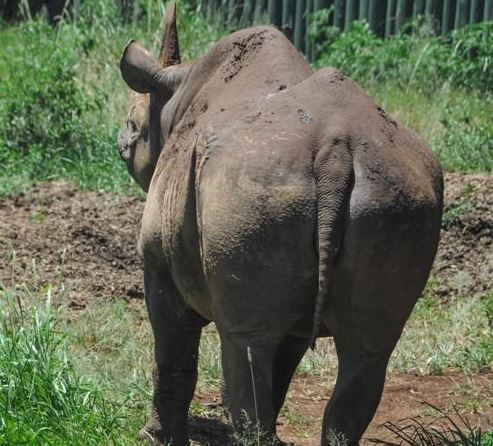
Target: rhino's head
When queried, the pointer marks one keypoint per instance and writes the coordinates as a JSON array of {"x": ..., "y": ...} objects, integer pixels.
[{"x": 154, "y": 83}]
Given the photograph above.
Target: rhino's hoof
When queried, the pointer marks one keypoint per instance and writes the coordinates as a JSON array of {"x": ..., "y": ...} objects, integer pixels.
[{"x": 149, "y": 436}]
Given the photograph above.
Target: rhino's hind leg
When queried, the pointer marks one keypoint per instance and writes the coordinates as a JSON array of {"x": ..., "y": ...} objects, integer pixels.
[
  {"x": 357, "y": 393},
  {"x": 288, "y": 356},
  {"x": 176, "y": 332},
  {"x": 248, "y": 372}
]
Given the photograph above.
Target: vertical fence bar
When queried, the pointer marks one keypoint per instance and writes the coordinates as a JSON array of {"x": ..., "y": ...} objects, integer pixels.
[
  {"x": 260, "y": 10},
  {"x": 275, "y": 12},
  {"x": 247, "y": 9},
  {"x": 461, "y": 13},
  {"x": 317, "y": 6},
  {"x": 288, "y": 8},
  {"x": 437, "y": 14},
  {"x": 429, "y": 12},
  {"x": 299, "y": 25},
  {"x": 308, "y": 17},
  {"x": 418, "y": 8},
  {"x": 337, "y": 17},
  {"x": 351, "y": 12},
  {"x": 475, "y": 14},
  {"x": 321, "y": 4},
  {"x": 429, "y": 7},
  {"x": 447, "y": 16},
  {"x": 404, "y": 11},
  {"x": 390, "y": 18},
  {"x": 488, "y": 10},
  {"x": 223, "y": 10},
  {"x": 235, "y": 11},
  {"x": 376, "y": 17},
  {"x": 363, "y": 10}
]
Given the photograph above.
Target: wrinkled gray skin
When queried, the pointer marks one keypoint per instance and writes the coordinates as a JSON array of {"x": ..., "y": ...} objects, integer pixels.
[{"x": 282, "y": 204}]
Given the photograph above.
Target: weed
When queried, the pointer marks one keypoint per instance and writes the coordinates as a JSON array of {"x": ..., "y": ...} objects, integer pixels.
[
  {"x": 418, "y": 58},
  {"x": 43, "y": 400},
  {"x": 336, "y": 438},
  {"x": 443, "y": 431}
]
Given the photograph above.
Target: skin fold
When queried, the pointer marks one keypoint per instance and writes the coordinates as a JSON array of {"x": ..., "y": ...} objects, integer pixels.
[{"x": 282, "y": 205}]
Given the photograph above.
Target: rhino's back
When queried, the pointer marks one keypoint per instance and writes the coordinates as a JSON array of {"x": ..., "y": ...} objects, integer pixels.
[{"x": 256, "y": 171}]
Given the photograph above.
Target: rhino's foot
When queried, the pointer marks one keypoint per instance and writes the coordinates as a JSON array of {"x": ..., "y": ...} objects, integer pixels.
[
  {"x": 152, "y": 433},
  {"x": 278, "y": 442}
]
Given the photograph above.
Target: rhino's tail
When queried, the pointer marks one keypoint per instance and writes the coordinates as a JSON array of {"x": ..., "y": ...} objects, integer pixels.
[{"x": 333, "y": 168}]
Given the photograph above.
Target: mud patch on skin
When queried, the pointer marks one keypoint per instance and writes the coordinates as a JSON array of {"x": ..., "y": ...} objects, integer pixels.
[
  {"x": 386, "y": 117},
  {"x": 243, "y": 50}
]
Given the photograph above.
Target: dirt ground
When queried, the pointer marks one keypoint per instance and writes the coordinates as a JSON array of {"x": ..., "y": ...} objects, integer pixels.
[
  {"x": 55, "y": 233},
  {"x": 404, "y": 396}
]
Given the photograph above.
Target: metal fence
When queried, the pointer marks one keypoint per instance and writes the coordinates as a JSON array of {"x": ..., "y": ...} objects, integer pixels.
[{"x": 385, "y": 17}]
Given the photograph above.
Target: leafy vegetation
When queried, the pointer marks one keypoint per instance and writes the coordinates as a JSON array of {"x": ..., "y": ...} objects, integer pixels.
[
  {"x": 61, "y": 97},
  {"x": 438, "y": 85},
  {"x": 43, "y": 399}
]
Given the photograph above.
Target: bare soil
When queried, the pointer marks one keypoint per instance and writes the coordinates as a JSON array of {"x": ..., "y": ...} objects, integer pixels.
[
  {"x": 55, "y": 233},
  {"x": 405, "y": 396}
]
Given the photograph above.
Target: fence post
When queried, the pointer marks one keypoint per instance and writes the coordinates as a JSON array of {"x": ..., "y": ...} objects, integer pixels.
[
  {"x": 338, "y": 14},
  {"x": 461, "y": 13},
  {"x": 288, "y": 7},
  {"x": 429, "y": 8},
  {"x": 308, "y": 16},
  {"x": 321, "y": 4},
  {"x": 260, "y": 9},
  {"x": 351, "y": 8},
  {"x": 235, "y": 11},
  {"x": 488, "y": 10},
  {"x": 363, "y": 10},
  {"x": 275, "y": 12},
  {"x": 248, "y": 10},
  {"x": 404, "y": 11},
  {"x": 390, "y": 18},
  {"x": 418, "y": 7},
  {"x": 447, "y": 16},
  {"x": 376, "y": 17},
  {"x": 475, "y": 15},
  {"x": 299, "y": 25}
]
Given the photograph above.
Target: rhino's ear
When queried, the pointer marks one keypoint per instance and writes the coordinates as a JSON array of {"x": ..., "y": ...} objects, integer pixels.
[{"x": 139, "y": 69}]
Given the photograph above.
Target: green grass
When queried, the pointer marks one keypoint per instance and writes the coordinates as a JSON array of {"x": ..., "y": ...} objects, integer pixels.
[
  {"x": 85, "y": 378},
  {"x": 44, "y": 400},
  {"x": 62, "y": 101}
]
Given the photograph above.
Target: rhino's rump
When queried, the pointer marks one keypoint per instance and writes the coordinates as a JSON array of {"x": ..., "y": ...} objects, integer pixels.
[{"x": 256, "y": 213}]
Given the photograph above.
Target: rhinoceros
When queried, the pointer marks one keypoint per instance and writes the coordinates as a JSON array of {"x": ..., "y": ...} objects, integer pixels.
[{"x": 282, "y": 205}]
